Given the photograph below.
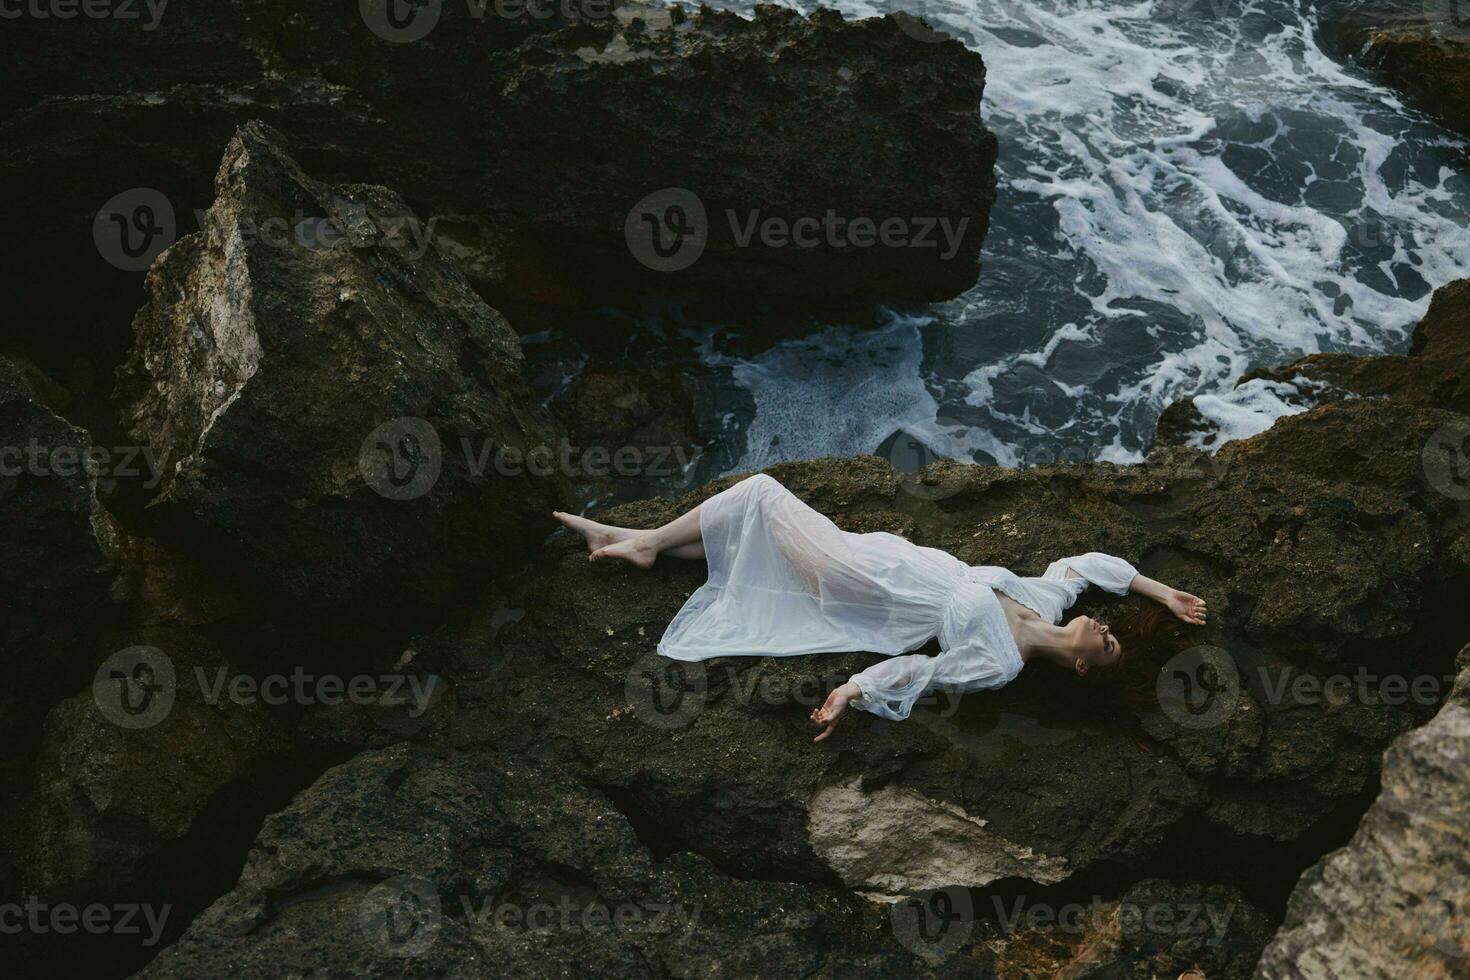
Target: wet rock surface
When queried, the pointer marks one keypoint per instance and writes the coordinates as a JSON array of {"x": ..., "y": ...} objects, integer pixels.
[
  {"x": 1396, "y": 900},
  {"x": 123, "y": 771},
  {"x": 1420, "y": 47},
  {"x": 329, "y": 399},
  {"x": 413, "y": 863},
  {"x": 59, "y": 548},
  {"x": 1316, "y": 569},
  {"x": 522, "y": 770},
  {"x": 1200, "y": 781},
  {"x": 529, "y": 138}
]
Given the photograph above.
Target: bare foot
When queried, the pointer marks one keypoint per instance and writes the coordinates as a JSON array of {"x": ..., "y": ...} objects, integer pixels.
[
  {"x": 634, "y": 551},
  {"x": 597, "y": 535},
  {"x": 831, "y": 710}
]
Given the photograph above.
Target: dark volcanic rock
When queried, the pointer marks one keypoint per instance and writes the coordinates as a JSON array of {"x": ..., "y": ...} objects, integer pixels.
[
  {"x": 113, "y": 788},
  {"x": 1155, "y": 929},
  {"x": 563, "y": 760},
  {"x": 1312, "y": 569},
  {"x": 58, "y": 549},
  {"x": 545, "y": 130},
  {"x": 403, "y": 862},
  {"x": 1396, "y": 900},
  {"x": 1420, "y": 47},
  {"x": 323, "y": 387}
]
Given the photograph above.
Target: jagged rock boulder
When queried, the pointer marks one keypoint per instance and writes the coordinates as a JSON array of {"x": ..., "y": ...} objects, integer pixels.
[
  {"x": 1327, "y": 547},
  {"x": 1314, "y": 570},
  {"x": 58, "y": 549},
  {"x": 146, "y": 788},
  {"x": 336, "y": 408},
  {"x": 1396, "y": 900},
  {"x": 413, "y": 863},
  {"x": 528, "y": 138},
  {"x": 127, "y": 766},
  {"x": 1420, "y": 47},
  {"x": 1311, "y": 568},
  {"x": 1432, "y": 373}
]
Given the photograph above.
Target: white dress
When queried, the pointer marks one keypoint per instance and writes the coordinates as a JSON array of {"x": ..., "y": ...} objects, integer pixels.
[{"x": 784, "y": 580}]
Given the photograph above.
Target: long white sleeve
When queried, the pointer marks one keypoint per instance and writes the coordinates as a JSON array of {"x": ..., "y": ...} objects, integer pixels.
[
  {"x": 1104, "y": 571},
  {"x": 979, "y": 653},
  {"x": 890, "y": 687}
]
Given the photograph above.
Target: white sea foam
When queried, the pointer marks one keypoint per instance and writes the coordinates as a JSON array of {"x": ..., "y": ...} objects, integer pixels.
[
  {"x": 1116, "y": 117},
  {"x": 1250, "y": 409}
]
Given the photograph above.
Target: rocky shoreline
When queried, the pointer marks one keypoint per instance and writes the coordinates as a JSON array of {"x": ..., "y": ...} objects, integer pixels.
[{"x": 311, "y": 682}]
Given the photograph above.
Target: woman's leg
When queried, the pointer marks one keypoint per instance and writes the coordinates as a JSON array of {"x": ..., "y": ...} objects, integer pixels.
[{"x": 680, "y": 538}]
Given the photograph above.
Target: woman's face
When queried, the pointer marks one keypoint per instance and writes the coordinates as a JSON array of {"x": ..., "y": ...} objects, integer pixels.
[{"x": 1094, "y": 643}]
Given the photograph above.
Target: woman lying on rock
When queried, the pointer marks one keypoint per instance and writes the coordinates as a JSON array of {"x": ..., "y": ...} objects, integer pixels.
[{"x": 784, "y": 580}]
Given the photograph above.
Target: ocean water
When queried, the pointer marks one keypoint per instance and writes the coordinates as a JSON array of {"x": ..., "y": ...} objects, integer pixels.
[{"x": 1187, "y": 189}]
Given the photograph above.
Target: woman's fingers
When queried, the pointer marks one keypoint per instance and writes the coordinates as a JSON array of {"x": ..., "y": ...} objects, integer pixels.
[{"x": 830, "y": 728}]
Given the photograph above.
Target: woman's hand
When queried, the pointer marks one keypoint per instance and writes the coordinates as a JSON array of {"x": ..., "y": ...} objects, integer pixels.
[
  {"x": 1187, "y": 607},
  {"x": 1190, "y": 608},
  {"x": 831, "y": 711}
]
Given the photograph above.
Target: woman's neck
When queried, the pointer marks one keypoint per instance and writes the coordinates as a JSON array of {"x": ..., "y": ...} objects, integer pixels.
[{"x": 1038, "y": 638}]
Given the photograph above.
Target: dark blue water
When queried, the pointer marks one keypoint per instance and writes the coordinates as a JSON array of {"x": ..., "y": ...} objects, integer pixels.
[{"x": 1187, "y": 189}]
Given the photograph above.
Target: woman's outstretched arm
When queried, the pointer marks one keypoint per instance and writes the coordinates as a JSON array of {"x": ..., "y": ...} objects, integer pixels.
[
  {"x": 1187, "y": 607},
  {"x": 1119, "y": 577}
]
